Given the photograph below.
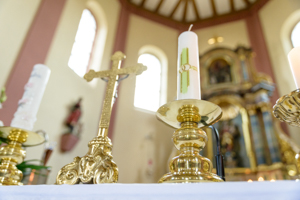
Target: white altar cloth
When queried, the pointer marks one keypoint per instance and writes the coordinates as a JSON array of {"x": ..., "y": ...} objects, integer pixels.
[{"x": 279, "y": 190}]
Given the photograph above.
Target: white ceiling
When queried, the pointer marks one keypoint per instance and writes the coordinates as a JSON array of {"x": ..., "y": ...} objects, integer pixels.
[{"x": 204, "y": 8}]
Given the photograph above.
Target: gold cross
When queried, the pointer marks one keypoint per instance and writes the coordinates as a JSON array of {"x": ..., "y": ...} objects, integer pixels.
[
  {"x": 113, "y": 75},
  {"x": 97, "y": 165}
]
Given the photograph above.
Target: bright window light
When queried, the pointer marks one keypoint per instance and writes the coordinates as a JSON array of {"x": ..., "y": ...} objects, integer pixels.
[
  {"x": 296, "y": 35},
  {"x": 82, "y": 47},
  {"x": 148, "y": 84}
]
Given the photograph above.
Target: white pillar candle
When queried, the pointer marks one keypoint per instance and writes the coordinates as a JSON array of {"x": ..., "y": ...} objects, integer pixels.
[
  {"x": 294, "y": 60},
  {"x": 28, "y": 106},
  {"x": 188, "y": 74}
]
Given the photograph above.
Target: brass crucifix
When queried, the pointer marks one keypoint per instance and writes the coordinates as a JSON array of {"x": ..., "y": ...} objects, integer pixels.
[{"x": 97, "y": 165}]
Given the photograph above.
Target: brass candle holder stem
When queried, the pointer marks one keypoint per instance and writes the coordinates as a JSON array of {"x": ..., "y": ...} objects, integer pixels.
[
  {"x": 13, "y": 153},
  {"x": 189, "y": 139}
]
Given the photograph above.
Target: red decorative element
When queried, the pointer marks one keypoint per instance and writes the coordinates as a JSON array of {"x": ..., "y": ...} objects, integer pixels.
[
  {"x": 48, "y": 153},
  {"x": 68, "y": 142},
  {"x": 70, "y": 139},
  {"x": 73, "y": 118}
]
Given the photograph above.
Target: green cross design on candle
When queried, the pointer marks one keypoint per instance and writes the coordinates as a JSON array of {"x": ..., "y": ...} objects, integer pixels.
[{"x": 185, "y": 74}]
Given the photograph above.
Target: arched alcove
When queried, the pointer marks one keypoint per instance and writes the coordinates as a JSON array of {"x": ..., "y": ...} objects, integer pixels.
[
  {"x": 156, "y": 53},
  {"x": 286, "y": 30}
]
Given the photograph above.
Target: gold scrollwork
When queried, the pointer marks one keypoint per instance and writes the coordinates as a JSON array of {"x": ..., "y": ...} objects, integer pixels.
[
  {"x": 95, "y": 167},
  {"x": 287, "y": 108}
]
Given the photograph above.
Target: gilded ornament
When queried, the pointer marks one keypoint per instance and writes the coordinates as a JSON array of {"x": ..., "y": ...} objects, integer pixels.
[
  {"x": 287, "y": 108},
  {"x": 13, "y": 153}
]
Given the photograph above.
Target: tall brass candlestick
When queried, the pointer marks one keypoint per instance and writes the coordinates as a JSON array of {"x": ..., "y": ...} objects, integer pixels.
[
  {"x": 97, "y": 165},
  {"x": 189, "y": 116}
]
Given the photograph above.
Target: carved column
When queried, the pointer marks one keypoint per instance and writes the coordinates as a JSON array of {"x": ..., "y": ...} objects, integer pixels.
[
  {"x": 272, "y": 140},
  {"x": 257, "y": 136}
]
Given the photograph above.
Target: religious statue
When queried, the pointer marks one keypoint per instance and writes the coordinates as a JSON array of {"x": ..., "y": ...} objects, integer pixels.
[
  {"x": 74, "y": 116},
  {"x": 70, "y": 139},
  {"x": 230, "y": 144}
]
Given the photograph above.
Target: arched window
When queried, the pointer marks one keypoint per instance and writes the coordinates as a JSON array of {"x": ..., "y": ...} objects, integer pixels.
[
  {"x": 295, "y": 37},
  {"x": 148, "y": 84},
  {"x": 82, "y": 47}
]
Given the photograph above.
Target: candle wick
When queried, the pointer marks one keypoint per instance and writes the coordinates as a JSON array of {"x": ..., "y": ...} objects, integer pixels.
[{"x": 190, "y": 27}]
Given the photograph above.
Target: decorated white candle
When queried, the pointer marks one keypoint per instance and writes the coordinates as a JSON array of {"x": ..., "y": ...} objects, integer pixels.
[
  {"x": 188, "y": 76},
  {"x": 28, "y": 106},
  {"x": 294, "y": 60}
]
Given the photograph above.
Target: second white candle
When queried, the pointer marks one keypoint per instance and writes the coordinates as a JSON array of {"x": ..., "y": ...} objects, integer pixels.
[
  {"x": 188, "y": 76},
  {"x": 294, "y": 60}
]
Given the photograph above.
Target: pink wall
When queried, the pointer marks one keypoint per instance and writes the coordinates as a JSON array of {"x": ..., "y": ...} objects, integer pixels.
[
  {"x": 34, "y": 50},
  {"x": 262, "y": 59},
  {"x": 120, "y": 42}
]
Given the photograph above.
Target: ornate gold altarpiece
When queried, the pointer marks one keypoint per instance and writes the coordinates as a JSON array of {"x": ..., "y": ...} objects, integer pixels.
[{"x": 253, "y": 144}]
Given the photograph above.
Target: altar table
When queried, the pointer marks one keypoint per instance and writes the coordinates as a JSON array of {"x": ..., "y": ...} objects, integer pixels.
[{"x": 278, "y": 190}]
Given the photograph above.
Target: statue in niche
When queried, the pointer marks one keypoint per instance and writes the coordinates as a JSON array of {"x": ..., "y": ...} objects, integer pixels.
[
  {"x": 74, "y": 116},
  {"x": 230, "y": 146},
  {"x": 70, "y": 138},
  {"x": 219, "y": 72}
]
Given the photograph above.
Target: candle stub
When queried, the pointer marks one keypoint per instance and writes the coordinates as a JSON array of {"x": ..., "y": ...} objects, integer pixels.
[
  {"x": 28, "y": 106},
  {"x": 188, "y": 74},
  {"x": 294, "y": 60}
]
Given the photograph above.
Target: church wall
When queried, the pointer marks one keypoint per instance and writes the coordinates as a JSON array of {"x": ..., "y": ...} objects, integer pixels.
[
  {"x": 15, "y": 20},
  {"x": 133, "y": 126},
  {"x": 273, "y": 18},
  {"x": 234, "y": 34},
  {"x": 65, "y": 87}
]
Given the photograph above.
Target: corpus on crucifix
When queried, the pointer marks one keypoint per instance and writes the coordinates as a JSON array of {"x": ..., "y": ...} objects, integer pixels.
[{"x": 97, "y": 165}]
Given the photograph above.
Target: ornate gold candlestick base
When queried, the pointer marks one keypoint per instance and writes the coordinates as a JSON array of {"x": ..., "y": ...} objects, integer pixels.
[
  {"x": 189, "y": 116},
  {"x": 13, "y": 153},
  {"x": 95, "y": 167}
]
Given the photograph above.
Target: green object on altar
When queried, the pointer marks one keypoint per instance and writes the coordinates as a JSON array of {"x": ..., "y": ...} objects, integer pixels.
[{"x": 3, "y": 96}]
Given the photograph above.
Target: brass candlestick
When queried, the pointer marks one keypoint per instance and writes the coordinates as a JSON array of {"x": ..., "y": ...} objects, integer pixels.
[
  {"x": 13, "y": 153},
  {"x": 189, "y": 116},
  {"x": 97, "y": 165},
  {"x": 287, "y": 109}
]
